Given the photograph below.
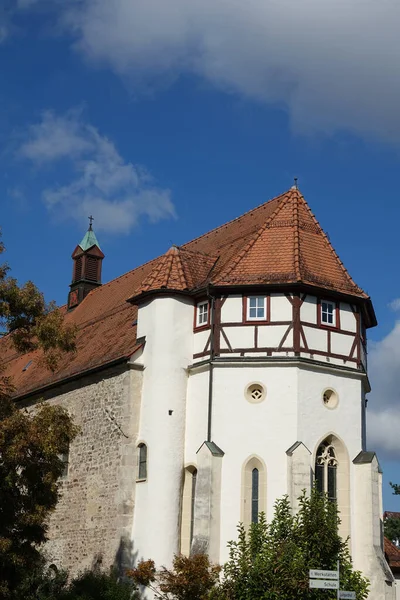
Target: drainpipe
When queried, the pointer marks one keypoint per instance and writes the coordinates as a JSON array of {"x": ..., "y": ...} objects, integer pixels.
[{"x": 211, "y": 372}]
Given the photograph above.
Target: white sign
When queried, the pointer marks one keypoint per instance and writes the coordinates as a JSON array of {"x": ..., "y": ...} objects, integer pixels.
[
  {"x": 325, "y": 584},
  {"x": 347, "y": 595},
  {"x": 317, "y": 574}
]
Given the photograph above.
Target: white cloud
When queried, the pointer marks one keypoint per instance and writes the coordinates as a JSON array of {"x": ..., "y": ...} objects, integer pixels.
[
  {"x": 332, "y": 63},
  {"x": 57, "y": 137},
  {"x": 116, "y": 192},
  {"x": 395, "y": 304},
  {"x": 384, "y": 407}
]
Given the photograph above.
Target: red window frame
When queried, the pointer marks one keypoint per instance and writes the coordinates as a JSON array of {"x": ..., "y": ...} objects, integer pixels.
[{"x": 267, "y": 309}]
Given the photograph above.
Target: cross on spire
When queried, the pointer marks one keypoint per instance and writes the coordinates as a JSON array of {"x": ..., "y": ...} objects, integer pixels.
[{"x": 91, "y": 219}]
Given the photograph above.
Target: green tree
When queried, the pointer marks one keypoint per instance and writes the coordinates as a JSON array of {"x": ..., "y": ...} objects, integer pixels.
[
  {"x": 30, "y": 322},
  {"x": 30, "y": 442},
  {"x": 96, "y": 585},
  {"x": 392, "y": 524},
  {"x": 396, "y": 488},
  {"x": 272, "y": 561}
]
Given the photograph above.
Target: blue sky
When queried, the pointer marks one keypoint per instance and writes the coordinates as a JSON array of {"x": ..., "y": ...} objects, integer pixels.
[{"x": 167, "y": 123}]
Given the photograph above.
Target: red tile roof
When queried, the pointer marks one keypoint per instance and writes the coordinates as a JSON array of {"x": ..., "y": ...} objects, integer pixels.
[
  {"x": 392, "y": 553},
  {"x": 388, "y": 514},
  {"x": 106, "y": 332},
  {"x": 279, "y": 242}
]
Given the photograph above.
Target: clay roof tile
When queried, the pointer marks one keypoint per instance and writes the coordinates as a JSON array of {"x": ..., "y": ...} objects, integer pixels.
[{"x": 278, "y": 242}]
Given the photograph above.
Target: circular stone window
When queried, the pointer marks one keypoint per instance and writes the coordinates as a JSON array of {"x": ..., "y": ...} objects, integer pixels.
[
  {"x": 330, "y": 398},
  {"x": 255, "y": 392}
]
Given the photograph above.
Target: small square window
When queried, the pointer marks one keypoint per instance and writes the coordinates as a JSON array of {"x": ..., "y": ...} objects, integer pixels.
[
  {"x": 328, "y": 313},
  {"x": 202, "y": 314},
  {"x": 256, "y": 308}
]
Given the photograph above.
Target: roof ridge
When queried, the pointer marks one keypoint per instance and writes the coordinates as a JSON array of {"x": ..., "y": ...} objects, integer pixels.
[
  {"x": 160, "y": 260},
  {"x": 329, "y": 244},
  {"x": 169, "y": 259},
  {"x": 296, "y": 240},
  {"x": 256, "y": 236},
  {"x": 182, "y": 249},
  {"x": 166, "y": 261},
  {"x": 235, "y": 219},
  {"x": 179, "y": 265}
]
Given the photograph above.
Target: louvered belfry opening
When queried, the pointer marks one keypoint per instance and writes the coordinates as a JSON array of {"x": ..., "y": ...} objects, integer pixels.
[
  {"x": 91, "y": 268},
  {"x": 77, "y": 269},
  {"x": 86, "y": 274}
]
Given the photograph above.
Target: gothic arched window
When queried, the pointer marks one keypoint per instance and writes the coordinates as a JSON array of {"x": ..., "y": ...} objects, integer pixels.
[
  {"x": 326, "y": 470},
  {"x": 255, "y": 495},
  {"x": 192, "y": 501},
  {"x": 254, "y": 490}
]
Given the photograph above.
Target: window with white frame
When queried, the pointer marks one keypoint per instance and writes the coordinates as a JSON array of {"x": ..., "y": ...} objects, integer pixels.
[
  {"x": 256, "y": 308},
  {"x": 202, "y": 314},
  {"x": 328, "y": 313}
]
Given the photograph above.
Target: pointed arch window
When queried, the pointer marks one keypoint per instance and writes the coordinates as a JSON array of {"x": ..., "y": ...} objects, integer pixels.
[
  {"x": 254, "y": 490},
  {"x": 142, "y": 461},
  {"x": 326, "y": 465},
  {"x": 192, "y": 501},
  {"x": 255, "y": 495}
]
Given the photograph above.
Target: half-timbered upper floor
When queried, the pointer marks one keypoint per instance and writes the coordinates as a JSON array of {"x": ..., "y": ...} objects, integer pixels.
[
  {"x": 268, "y": 283},
  {"x": 277, "y": 324}
]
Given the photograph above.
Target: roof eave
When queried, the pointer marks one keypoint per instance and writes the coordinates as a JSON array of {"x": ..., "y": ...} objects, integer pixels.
[
  {"x": 143, "y": 296},
  {"x": 74, "y": 376},
  {"x": 364, "y": 302}
]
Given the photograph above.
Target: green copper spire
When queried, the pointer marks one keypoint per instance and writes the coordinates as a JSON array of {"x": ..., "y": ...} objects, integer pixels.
[{"x": 89, "y": 239}]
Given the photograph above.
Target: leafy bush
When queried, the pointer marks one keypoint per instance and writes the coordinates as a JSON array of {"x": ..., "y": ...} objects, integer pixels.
[
  {"x": 89, "y": 585},
  {"x": 191, "y": 578},
  {"x": 272, "y": 561}
]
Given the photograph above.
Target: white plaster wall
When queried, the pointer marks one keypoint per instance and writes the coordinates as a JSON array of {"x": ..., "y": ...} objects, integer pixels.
[
  {"x": 270, "y": 336},
  {"x": 397, "y": 584},
  {"x": 317, "y": 339},
  {"x": 167, "y": 324},
  {"x": 341, "y": 344},
  {"x": 240, "y": 337},
  {"x": 232, "y": 310},
  {"x": 281, "y": 308},
  {"x": 315, "y": 421},
  {"x": 200, "y": 340},
  {"x": 196, "y": 413},
  {"x": 347, "y": 317},
  {"x": 292, "y": 411},
  {"x": 308, "y": 310},
  {"x": 242, "y": 429}
]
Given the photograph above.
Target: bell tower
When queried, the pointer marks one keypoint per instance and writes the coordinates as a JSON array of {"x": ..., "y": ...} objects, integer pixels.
[{"x": 86, "y": 274}]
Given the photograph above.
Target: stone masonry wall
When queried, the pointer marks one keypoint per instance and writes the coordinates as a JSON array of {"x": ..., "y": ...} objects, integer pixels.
[{"x": 92, "y": 523}]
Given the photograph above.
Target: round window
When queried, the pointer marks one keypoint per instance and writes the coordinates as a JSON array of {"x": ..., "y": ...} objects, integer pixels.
[
  {"x": 255, "y": 392},
  {"x": 330, "y": 398}
]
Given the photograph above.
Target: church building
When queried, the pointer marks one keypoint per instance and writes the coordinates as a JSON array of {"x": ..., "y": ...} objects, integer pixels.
[{"x": 207, "y": 383}]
